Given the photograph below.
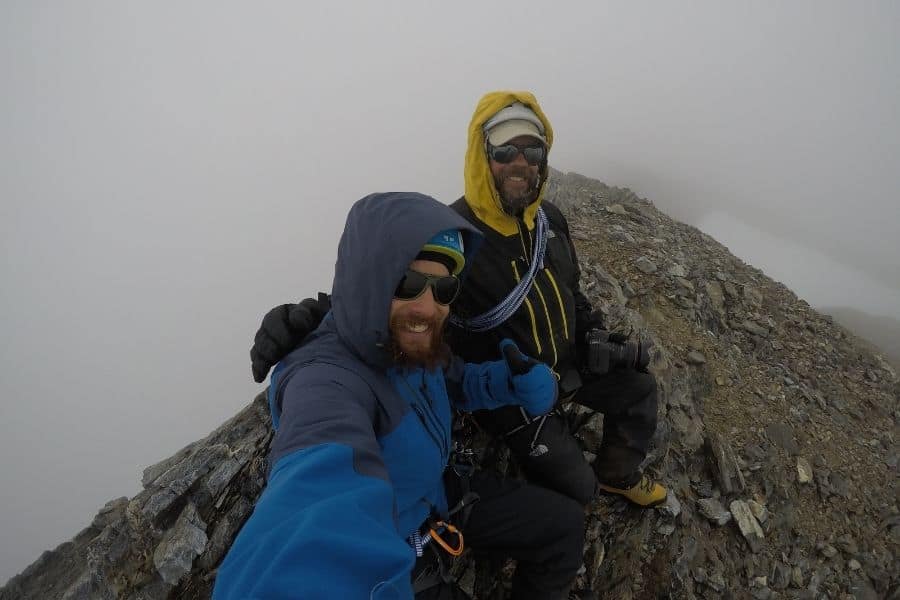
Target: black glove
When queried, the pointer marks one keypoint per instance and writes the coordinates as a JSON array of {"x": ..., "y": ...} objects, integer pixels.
[
  {"x": 519, "y": 363},
  {"x": 282, "y": 330}
]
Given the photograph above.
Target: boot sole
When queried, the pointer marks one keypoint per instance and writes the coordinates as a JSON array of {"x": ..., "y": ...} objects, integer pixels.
[{"x": 630, "y": 501}]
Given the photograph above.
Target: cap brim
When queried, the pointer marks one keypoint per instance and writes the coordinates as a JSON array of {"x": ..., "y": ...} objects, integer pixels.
[{"x": 504, "y": 132}]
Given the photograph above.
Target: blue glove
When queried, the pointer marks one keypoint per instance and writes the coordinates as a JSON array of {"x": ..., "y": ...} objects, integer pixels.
[{"x": 532, "y": 382}]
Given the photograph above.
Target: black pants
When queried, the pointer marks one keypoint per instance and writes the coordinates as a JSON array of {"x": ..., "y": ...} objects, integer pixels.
[
  {"x": 628, "y": 402},
  {"x": 539, "y": 528}
]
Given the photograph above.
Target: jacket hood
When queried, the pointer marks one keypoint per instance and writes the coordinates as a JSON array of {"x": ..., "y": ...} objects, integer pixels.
[
  {"x": 382, "y": 236},
  {"x": 481, "y": 193}
]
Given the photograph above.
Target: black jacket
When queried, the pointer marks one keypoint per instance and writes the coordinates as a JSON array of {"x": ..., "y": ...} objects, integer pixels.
[{"x": 554, "y": 315}]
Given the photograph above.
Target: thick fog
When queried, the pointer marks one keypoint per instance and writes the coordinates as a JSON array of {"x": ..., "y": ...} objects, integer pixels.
[{"x": 169, "y": 171}]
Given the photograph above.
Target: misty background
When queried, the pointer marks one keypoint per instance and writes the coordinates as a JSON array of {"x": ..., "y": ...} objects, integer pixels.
[{"x": 170, "y": 171}]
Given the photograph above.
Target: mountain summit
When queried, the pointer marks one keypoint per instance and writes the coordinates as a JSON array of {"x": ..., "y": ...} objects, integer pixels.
[{"x": 777, "y": 439}]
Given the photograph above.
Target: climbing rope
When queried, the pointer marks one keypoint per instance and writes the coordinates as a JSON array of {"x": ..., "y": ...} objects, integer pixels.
[{"x": 504, "y": 310}]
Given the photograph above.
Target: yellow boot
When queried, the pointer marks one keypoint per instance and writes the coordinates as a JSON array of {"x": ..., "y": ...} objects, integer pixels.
[{"x": 645, "y": 493}]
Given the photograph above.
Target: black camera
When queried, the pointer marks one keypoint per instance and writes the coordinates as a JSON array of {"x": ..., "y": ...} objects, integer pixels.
[{"x": 607, "y": 351}]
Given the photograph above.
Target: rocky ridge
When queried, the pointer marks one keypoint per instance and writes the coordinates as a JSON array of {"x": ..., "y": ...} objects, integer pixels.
[{"x": 777, "y": 439}]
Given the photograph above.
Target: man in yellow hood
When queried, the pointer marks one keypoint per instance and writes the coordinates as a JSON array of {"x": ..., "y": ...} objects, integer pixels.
[
  {"x": 524, "y": 284},
  {"x": 505, "y": 180}
]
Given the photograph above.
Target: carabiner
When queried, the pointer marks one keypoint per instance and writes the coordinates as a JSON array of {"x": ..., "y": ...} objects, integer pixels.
[{"x": 437, "y": 538}]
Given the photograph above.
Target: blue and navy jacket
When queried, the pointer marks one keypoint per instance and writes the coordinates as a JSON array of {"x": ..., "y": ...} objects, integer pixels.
[{"x": 360, "y": 444}]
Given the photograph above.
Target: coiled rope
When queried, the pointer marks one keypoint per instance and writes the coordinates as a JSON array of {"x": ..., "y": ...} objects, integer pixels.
[{"x": 504, "y": 310}]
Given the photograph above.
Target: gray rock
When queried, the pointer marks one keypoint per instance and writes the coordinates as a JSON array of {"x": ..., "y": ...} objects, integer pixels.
[
  {"x": 159, "y": 503},
  {"x": 616, "y": 209},
  {"x": 672, "y": 506},
  {"x": 223, "y": 532},
  {"x": 183, "y": 475},
  {"x": 797, "y": 577},
  {"x": 847, "y": 544},
  {"x": 690, "y": 429},
  {"x": 781, "y": 575},
  {"x": 665, "y": 529},
  {"x": 716, "y": 297},
  {"x": 748, "y": 525},
  {"x": 728, "y": 473},
  {"x": 717, "y": 582},
  {"x": 609, "y": 286},
  {"x": 713, "y": 510},
  {"x": 685, "y": 285},
  {"x": 677, "y": 270},
  {"x": 759, "y": 511},
  {"x": 804, "y": 470},
  {"x": 645, "y": 265},
  {"x": 89, "y": 586},
  {"x": 111, "y": 512},
  {"x": 818, "y": 577},
  {"x": 752, "y": 295},
  {"x": 621, "y": 236},
  {"x": 754, "y": 328},
  {"x": 153, "y": 472},
  {"x": 223, "y": 474},
  {"x": 695, "y": 358},
  {"x": 175, "y": 554}
]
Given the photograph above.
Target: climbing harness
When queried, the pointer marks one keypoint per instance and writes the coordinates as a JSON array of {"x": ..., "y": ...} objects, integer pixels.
[
  {"x": 438, "y": 571},
  {"x": 536, "y": 449},
  {"x": 504, "y": 310}
]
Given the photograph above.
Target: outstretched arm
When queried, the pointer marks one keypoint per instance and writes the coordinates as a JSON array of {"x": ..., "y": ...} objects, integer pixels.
[
  {"x": 517, "y": 380},
  {"x": 324, "y": 527}
]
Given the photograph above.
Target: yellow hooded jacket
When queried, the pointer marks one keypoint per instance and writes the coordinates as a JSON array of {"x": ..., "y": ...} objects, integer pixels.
[
  {"x": 546, "y": 324},
  {"x": 481, "y": 193}
]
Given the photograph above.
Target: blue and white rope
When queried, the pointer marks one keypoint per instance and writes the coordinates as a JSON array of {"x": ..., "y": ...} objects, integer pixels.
[
  {"x": 512, "y": 302},
  {"x": 415, "y": 540}
]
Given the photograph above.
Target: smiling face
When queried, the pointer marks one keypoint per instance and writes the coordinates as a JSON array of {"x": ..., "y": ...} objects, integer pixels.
[
  {"x": 517, "y": 182},
  {"x": 417, "y": 325}
]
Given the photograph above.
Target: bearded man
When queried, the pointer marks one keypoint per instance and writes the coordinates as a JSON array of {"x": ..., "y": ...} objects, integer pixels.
[{"x": 358, "y": 488}]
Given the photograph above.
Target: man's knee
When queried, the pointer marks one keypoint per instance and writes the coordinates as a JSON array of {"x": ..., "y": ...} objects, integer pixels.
[{"x": 560, "y": 464}]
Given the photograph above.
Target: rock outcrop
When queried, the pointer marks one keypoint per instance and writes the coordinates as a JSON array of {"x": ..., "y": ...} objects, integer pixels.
[{"x": 777, "y": 439}]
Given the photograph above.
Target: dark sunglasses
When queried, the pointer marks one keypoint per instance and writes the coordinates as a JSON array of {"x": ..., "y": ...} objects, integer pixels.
[
  {"x": 443, "y": 287},
  {"x": 507, "y": 153}
]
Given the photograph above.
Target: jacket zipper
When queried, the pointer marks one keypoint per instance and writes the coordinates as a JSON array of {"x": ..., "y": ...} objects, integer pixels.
[{"x": 428, "y": 423}]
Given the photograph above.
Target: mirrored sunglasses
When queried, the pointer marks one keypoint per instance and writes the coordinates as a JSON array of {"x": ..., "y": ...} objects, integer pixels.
[
  {"x": 507, "y": 153},
  {"x": 443, "y": 287}
]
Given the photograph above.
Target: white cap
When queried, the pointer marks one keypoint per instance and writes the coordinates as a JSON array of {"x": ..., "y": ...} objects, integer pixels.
[{"x": 511, "y": 122}]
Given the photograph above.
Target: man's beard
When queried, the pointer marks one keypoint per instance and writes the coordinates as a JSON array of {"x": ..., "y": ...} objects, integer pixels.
[
  {"x": 435, "y": 354},
  {"x": 514, "y": 203}
]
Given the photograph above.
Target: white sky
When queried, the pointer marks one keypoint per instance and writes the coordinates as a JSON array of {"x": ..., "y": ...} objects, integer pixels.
[{"x": 169, "y": 171}]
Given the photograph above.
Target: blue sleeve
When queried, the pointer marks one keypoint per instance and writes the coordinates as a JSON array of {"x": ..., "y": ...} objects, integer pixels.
[
  {"x": 325, "y": 525},
  {"x": 490, "y": 385}
]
